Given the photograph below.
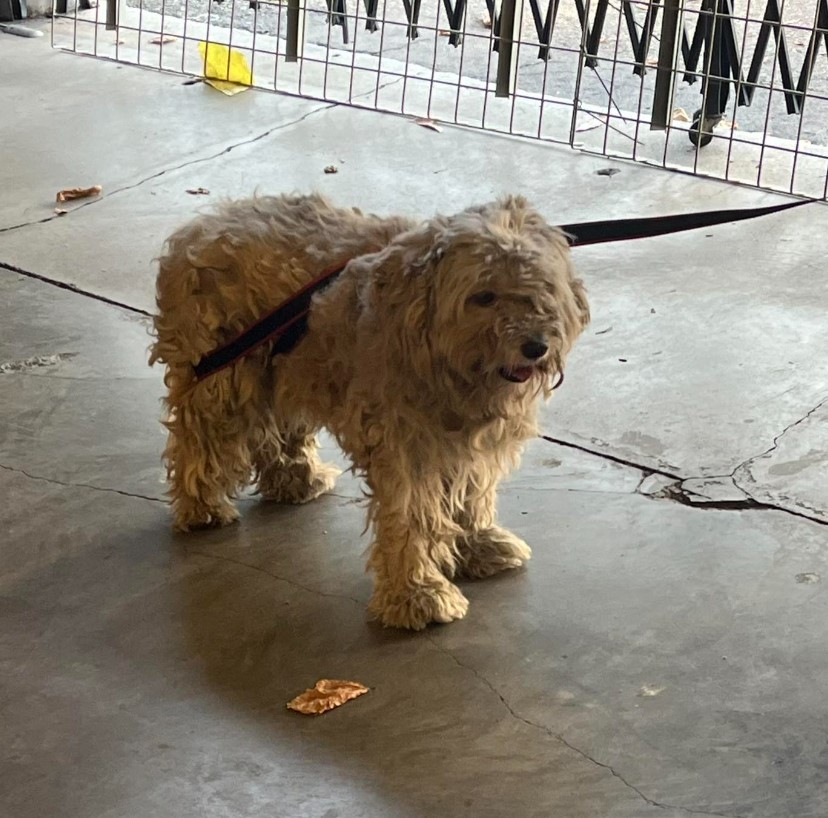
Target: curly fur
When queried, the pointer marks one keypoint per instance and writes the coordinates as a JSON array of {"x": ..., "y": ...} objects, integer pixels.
[{"x": 414, "y": 360}]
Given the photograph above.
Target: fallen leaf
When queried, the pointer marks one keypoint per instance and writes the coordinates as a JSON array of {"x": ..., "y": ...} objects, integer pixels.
[
  {"x": 486, "y": 21},
  {"x": 607, "y": 171},
  {"x": 444, "y": 32},
  {"x": 198, "y": 191},
  {"x": 193, "y": 81},
  {"x": 680, "y": 115},
  {"x": 331, "y": 169},
  {"x": 652, "y": 311},
  {"x": 604, "y": 331},
  {"x": 59, "y": 211},
  {"x": 428, "y": 123},
  {"x": 70, "y": 193},
  {"x": 726, "y": 123},
  {"x": 325, "y": 695},
  {"x": 162, "y": 40},
  {"x": 623, "y": 360}
]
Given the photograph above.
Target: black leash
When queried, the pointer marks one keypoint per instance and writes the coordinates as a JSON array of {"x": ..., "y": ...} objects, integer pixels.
[
  {"x": 287, "y": 324},
  {"x": 626, "y": 229}
]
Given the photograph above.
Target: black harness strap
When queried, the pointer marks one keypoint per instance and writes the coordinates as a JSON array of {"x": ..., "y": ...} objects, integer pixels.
[{"x": 287, "y": 324}]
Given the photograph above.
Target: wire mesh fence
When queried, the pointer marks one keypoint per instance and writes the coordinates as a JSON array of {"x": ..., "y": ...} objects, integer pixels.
[{"x": 730, "y": 89}]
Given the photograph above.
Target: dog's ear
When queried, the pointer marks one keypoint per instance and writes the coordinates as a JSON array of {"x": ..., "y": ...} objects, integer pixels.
[
  {"x": 581, "y": 302},
  {"x": 398, "y": 286}
]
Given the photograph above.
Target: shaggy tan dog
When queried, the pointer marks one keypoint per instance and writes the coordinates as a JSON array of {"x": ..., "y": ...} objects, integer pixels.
[{"x": 426, "y": 359}]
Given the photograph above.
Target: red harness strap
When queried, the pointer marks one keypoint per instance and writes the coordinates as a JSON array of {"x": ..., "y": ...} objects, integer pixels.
[{"x": 287, "y": 324}]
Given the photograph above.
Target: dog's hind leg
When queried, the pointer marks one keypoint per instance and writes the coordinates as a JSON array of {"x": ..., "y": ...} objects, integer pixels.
[
  {"x": 484, "y": 548},
  {"x": 288, "y": 468},
  {"x": 207, "y": 456}
]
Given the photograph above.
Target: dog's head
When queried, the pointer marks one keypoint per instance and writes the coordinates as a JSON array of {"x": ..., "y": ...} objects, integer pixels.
[{"x": 487, "y": 299}]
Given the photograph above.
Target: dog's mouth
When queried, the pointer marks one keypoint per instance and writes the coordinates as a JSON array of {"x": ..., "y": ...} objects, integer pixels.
[{"x": 517, "y": 374}]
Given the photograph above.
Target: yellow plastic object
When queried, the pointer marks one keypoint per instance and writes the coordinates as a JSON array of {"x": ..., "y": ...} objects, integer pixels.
[{"x": 225, "y": 68}]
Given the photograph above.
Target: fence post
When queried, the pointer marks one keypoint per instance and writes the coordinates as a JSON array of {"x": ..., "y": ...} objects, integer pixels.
[
  {"x": 295, "y": 34},
  {"x": 508, "y": 38},
  {"x": 666, "y": 71}
]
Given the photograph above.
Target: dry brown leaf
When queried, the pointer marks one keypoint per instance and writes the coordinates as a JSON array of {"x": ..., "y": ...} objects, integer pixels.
[
  {"x": 726, "y": 123},
  {"x": 444, "y": 32},
  {"x": 680, "y": 115},
  {"x": 162, "y": 40},
  {"x": 325, "y": 695},
  {"x": 198, "y": 191},
  {"x": 331, "y": 169},
  {"x": 59, "y": 211},
  {"x": 423, "y": 122},
  {"x": 486, "y": 21},
  {"x": 70, "y": 193}
]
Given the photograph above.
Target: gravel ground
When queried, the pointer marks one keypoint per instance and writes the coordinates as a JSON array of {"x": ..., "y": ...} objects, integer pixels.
[{"x": 556, "y": 77}]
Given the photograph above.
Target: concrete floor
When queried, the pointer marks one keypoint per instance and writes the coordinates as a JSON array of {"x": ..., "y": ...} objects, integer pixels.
[{"x": 664, "y": 654}]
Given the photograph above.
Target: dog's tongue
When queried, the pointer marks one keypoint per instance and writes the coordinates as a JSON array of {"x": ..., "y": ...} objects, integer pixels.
[
  {"x": 520, "y": 374},
  {"x": 523, "y": 373}
]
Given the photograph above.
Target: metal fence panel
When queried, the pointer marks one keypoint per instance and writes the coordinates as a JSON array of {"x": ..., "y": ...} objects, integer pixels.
[{"x": 731, "y": 89}]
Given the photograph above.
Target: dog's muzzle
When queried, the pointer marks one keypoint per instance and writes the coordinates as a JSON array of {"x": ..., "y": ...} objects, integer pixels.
[{"x": 532, "y": 349}]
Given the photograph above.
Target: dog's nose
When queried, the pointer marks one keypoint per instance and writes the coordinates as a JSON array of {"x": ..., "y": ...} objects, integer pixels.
[{"x": 534, "y": 349}]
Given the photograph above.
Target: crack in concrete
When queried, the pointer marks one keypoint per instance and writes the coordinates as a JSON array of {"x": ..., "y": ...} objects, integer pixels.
[
  {"x": 172, "y": 169},
  {"x": 677, "y": 493},
  {"x": 649, "y": 470},
  {"x": 347, "y": 500},
  {"x": 745, "y": 465},
  {"x": 62, "y": 285},
  {"x": 559, "y": 738},
  {"x": 90, "y": 486},
  {"x": 285, "y": 580}
]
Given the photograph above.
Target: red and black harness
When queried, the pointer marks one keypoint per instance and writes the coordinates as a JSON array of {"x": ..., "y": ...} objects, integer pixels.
[{"x": 287, "y": 324}]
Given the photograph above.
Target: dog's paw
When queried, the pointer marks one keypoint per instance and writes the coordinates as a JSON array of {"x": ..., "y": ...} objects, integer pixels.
[
  {"x": 420, "y": 606},
  {"x": 490, "y": 551},
  {"x": 297, "y": 488},
  {"x": 190, "y": 517}
]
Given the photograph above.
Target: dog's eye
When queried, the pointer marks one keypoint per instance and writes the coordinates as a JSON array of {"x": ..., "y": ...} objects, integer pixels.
[{"x": 484, "y": 299}]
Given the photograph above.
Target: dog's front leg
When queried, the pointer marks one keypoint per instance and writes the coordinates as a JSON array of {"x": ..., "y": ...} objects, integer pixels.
[
  {"x": 410, "y": 557},
  {"x": 485, "y": 548}
]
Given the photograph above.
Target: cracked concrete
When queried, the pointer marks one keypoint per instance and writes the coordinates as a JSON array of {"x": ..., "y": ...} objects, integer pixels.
[
  {"x": 107, "y": 194},
  {"x": 145, "y": 673},
  {"x": 79, "y": 485},
  {"x": 551, "y": 734}
]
